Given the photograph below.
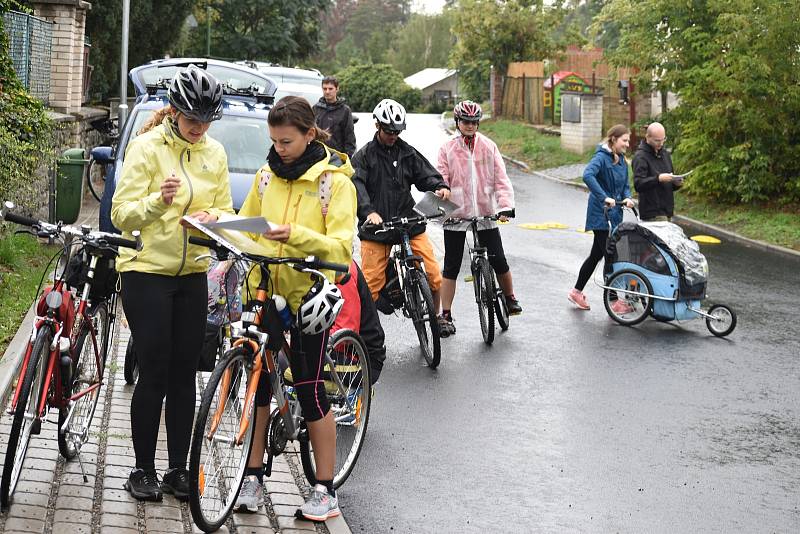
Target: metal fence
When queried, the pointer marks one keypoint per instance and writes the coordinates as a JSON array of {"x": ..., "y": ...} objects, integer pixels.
[{"x": 30, "y": 46}]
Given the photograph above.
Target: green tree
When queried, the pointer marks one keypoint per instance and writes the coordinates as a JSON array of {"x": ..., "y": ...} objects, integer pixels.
[
  {"x": 366, "y": 84},
  {"x": 498, "y": 32},
  {"x": 425, "y": 41},
  {"x": 270, "y": 30},
  {"x": 736, "y": 67},
  {"x": 155, "y": 27}
]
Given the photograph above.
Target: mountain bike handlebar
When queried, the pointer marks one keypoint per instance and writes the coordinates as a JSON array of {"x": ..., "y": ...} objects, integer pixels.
[
  {"x": 506, "y": 213},
  {"x": 84, "y": 233},
  {"x": 397, "y": 223},
  {"x": 298, "y": 264}
]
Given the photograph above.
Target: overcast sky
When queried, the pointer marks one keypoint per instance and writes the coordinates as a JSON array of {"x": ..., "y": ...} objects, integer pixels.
[{"x": 428, "y": 6}]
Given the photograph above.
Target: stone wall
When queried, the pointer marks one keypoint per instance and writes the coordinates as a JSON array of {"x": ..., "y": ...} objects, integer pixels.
[{"x": 580, "y": 136}]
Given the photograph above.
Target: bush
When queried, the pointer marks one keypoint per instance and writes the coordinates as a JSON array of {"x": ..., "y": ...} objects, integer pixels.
[
  {"x": 25, "y": 131},
  {"x": 366, "y": 84}
]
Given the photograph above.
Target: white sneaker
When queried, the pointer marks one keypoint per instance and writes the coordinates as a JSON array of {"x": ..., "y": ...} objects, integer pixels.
[
  {"x": 320, "y": 506},
  {"x": 249, "y": 496}
]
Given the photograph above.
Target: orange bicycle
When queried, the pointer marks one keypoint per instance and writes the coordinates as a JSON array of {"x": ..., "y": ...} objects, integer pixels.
[{"x": 224, "y": 428}]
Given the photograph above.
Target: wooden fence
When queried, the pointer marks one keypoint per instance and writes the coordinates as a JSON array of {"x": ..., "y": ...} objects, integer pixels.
[{"x": 523, "y": 99}]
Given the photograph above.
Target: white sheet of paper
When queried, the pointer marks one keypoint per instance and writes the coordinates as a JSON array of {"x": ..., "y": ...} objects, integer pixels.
[
  {"x": 682, "y": 176},
  {"x": 254, "y": 225}
]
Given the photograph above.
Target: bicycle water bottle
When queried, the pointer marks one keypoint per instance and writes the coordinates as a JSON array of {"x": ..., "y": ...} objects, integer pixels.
[{"x": 283, "y": 310}]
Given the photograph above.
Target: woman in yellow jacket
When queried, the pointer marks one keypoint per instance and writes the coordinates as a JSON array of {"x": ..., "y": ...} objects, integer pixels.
[
  {"x": 286, "y": 193},
  {"x": 172, "y": 170}
]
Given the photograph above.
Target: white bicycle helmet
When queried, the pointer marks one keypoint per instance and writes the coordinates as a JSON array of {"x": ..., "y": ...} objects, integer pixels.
[
  {"x": 319, "y": 308},
  {"x": 390, "y": 114}
]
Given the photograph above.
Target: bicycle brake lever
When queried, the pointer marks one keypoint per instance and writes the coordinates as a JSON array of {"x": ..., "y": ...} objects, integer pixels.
[{"x": 205, "y": 257}]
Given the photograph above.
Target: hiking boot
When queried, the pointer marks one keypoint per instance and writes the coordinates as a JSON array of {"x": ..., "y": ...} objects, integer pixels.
[
  {"x": 320, "y": 506},
  {"x": 446, "y": 326},
  {"x": 176, "y": 482},
  {"x": 513, "y": 306},
  {"x": 250, "y": 495},
  {"x": 143, "y": 485},
  {"x": 620, "y": 307},
  {"x": 579, "y": 299}
]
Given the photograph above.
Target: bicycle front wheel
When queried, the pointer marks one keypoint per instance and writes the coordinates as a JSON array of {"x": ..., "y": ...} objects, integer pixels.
[
  {"x": 422, "y": 313},
  {"x": 74, "y": 420},
  {"x": 350, "y": 404},
  {"x": 26, "y": 416},
  {"x": 216, "y": 461},
  {"x": 484, "y": 295}
]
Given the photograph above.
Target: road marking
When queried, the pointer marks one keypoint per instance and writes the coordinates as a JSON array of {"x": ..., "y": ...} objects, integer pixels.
[
  {"x": 706, "y": 239},
  {"x": 543, "y": 226}
]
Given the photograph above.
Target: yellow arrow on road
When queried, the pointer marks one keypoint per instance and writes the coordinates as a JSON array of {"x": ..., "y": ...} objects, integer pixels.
[{"x": 543, "y": 226}]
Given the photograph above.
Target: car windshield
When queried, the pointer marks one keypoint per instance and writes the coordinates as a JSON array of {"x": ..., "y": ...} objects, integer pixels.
[
  {"x": 233, "y": 78},
  {"x": 246, "y": 139}
]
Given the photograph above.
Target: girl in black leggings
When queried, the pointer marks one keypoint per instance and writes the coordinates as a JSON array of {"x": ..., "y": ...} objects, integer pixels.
[
  {"x": 606, "y": 175},
  {"x": 171, "y": 169}
]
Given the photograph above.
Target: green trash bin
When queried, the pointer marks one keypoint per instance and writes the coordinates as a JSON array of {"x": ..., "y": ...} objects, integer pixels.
[{"x": 69, "y": 184}]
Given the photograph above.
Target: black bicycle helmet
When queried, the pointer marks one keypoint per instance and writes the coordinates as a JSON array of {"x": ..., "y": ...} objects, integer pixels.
[{"x": 196, "y": 94}]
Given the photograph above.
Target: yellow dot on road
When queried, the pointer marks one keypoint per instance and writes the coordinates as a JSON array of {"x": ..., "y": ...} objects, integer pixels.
[{"x": 706, "y": 239}]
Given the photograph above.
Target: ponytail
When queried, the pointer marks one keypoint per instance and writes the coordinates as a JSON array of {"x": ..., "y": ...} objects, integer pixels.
[{"x": 156, "y": 119}]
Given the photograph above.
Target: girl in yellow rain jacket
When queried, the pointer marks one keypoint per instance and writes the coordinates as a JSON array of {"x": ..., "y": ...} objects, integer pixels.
[
  {"x": 286, "y": 192},
  {"x": 172, "y": 170}
]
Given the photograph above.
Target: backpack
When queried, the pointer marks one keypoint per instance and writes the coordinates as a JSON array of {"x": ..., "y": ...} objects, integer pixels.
[{"x": 324, "y": 183}]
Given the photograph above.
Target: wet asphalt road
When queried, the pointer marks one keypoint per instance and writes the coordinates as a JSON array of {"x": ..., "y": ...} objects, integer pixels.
[{"x": 572, "y": 423}]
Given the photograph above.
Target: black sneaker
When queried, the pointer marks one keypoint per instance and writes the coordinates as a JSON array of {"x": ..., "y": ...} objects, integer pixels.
[
  {"x": 446, "y": 326},
  {"x": 384, "y": 305},
  {"x": 143, "y": 485},
  {"x": 513, "y": 306},
  {"x": 176, "y": 482}
]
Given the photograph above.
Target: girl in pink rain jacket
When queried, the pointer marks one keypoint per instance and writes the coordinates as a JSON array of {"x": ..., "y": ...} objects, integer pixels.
[{"x": 472, "y": 166}]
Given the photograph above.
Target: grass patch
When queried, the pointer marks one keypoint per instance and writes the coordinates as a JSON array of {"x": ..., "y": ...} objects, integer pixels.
[
  {"x": 521, "y": 142},
  {"x": 22, "y": 260},
  {"x": 776, "y": 225}
]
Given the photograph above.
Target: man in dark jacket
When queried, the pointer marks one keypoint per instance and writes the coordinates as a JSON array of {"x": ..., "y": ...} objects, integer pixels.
[
  {"x": 333, "y": 115},
  {"x": 386, "y": 168},
  {"x": 652, "y": 176}
]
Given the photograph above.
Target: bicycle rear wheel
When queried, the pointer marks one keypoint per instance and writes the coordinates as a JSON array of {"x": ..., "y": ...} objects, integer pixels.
[
  {"x": 96, "y": 182},
  {"x": 422, "y": 314},
  {"x": 216, "y": 462},
  {"x": 26, "y": 415},
  {"x": 350, "y": 410},
  {"x": 74, "y": 420},
  {"x": 484, "y": 295},
  {"x": 500, "y": 307}
]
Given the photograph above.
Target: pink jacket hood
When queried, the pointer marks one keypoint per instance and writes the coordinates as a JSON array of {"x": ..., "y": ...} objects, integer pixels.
[{"x": 478, "y": 180}]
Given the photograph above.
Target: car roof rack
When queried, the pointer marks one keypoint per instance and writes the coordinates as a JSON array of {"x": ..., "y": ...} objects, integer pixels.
[{"x": 162, "y": 85}]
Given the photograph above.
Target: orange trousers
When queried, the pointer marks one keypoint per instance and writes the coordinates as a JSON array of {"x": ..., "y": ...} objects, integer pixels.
[{"x": 375, "y": 257}]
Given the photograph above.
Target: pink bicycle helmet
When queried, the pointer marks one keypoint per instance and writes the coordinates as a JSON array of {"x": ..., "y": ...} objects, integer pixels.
[{"x": 467, "y": 110}]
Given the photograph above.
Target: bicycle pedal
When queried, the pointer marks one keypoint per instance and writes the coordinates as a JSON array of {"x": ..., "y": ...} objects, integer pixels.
[{"x": 469, "y": 278}]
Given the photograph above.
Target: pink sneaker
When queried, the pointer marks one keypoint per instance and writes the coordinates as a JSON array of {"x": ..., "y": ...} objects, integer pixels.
[
  {"x": 579, "y": 299},
  {"x": 620, "y": 307}
]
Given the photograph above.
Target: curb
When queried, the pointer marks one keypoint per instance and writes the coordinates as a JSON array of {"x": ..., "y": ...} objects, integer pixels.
[
  {"x": 12, "y": 357},
  {"x": 705, "y": 227}
]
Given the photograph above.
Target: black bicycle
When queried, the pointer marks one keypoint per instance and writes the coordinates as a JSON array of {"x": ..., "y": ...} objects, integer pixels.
[
  {"x": 488, "y": 293},
  {"x": 411, "y": 286}
]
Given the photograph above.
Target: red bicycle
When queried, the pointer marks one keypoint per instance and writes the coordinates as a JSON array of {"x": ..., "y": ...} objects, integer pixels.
[{"x": 65, "y": 358}]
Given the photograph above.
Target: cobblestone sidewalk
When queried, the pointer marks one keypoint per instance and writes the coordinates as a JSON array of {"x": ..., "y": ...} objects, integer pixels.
[{"x": 52, "y": 497}]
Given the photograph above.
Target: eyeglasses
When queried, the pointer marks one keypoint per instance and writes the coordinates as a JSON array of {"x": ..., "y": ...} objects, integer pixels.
[
  {"x": 659, "y": 141},
  {"x": 390, "y": 132},
  {"x": 469, "y": 123}
]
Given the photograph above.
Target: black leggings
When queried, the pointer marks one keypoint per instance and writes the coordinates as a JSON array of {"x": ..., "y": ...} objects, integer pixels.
[
  {"x": 454, "y": 251},
  {"x": 167, "y": 317},
  {"x": 307, "y": 362},
  {"x": 597, "y": 254}
]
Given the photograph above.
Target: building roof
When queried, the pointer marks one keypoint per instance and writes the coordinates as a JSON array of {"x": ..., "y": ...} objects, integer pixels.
[
  {"x": 427, "y": 77},
  {"x": 558, "y": 76}
]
